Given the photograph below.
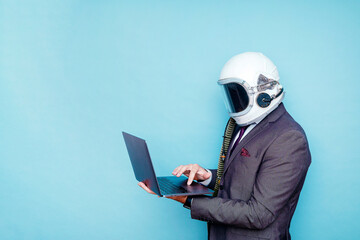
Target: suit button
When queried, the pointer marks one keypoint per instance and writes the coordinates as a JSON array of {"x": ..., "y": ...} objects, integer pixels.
[{"x": 221, "y": 187}]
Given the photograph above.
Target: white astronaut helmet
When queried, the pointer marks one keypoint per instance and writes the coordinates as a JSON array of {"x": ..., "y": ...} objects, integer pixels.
[{"x": 250, "y": 83}]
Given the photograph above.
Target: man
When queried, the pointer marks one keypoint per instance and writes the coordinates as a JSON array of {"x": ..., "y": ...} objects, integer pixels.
[{"x": 258, "y": 183}]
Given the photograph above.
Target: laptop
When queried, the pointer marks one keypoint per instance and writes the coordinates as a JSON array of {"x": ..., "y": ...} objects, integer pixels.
[{"x": 144, "y": 172}]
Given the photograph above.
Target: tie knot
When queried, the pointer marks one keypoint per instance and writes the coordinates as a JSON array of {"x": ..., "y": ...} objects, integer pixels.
[{"x": 242, "y": 131}]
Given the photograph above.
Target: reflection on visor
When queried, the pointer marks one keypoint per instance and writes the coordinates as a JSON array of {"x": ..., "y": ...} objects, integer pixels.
[{"x": 236, "y": 97}]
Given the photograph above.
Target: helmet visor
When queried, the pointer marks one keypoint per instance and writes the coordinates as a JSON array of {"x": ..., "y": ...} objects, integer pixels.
[{"x": 236, "y": 97}]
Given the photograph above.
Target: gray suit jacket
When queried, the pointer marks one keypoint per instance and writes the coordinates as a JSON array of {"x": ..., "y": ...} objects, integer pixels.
[{"x": 261, "y": 184}]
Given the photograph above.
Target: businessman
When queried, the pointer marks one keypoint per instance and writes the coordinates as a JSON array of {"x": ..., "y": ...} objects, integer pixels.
[{"x": 262, "y": 167}]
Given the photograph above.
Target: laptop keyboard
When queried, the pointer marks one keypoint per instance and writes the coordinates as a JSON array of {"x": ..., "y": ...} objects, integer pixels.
[{"x": 167, "y": 187}]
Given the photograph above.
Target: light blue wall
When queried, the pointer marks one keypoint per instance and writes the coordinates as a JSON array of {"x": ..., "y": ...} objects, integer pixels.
[{"x": 74, "y": 74}]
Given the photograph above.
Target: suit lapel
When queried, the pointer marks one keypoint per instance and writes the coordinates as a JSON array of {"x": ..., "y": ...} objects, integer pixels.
[
  {"x": 258, "y": 129},
  {"x": 273, "y": 116}
]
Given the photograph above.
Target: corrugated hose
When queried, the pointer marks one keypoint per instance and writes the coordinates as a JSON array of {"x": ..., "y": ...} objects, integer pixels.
[{"x": 230, "y": 126}]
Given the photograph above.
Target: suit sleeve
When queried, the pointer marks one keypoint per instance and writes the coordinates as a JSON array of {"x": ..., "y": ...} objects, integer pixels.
[
  {"x": 282, "y": 171},
  {"x": 213, "y": 179}
]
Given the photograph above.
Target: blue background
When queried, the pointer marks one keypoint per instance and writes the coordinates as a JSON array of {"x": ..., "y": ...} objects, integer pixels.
[{"x": 74, "y": 74}]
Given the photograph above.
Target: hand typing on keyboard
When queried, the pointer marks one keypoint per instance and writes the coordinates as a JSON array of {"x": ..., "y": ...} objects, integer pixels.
[{"x": 192, "y": 171}]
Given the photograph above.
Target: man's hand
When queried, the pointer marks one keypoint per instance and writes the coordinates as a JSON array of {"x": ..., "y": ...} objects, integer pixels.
[
  {"x": 192, "y": 171},
  {"x": 180, "y": 199},
  {"x": 143, "y": 185}
]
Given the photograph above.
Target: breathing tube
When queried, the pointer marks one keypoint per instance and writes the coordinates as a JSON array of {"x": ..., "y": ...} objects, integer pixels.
[{"x": 230, "y": 126}]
